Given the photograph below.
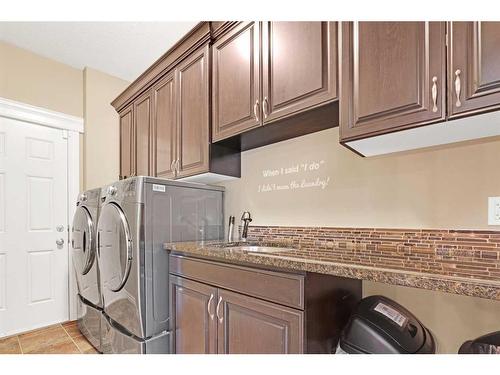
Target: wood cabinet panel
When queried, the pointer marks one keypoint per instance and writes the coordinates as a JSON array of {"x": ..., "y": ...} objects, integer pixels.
[
  {"x": 299, "y": 66},
  {"x": 393, "y": 76},
  {"x": 236, "y": 81},
  {"x": 193, "y": 319},
  {"x": 251, "y": 326},
  {"x": 193, "y": 113},
  {"x": 287, "y": 289},
  {"x": 127, "y": 168},
  {"x": 474, "y": 67},
  {"x": 164, "y": 135},
  {"x": 142, "y": 124}
]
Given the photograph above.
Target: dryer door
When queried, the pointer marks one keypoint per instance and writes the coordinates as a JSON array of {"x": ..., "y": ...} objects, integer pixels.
[{"x": 83, "y": 241}]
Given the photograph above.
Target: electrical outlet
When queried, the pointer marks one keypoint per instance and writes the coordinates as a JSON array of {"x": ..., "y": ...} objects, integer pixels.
[{"x": 494, "y": 211}]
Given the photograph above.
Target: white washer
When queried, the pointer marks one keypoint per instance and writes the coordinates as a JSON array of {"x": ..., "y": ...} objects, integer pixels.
[{"x": 86, "y": 267}]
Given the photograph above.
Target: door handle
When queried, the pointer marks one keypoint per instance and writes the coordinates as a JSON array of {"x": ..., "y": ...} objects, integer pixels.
[
  {"x": 256, "y": 109},
  {"x": 458, "y": 87},
  {"x": 208, "y": 307},
  {"x": 265, "y": 108},
  {"x": 434, "y": 94},
  {"x": 221, "y": 318},
  {"x": 60, "y": 242}
]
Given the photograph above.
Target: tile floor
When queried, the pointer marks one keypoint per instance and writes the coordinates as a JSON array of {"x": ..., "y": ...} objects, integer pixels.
[{"x": 62, "y": 338}]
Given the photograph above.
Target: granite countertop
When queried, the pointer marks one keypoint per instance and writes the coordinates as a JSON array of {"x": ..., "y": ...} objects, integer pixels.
[{"x": 311, "y": 260}]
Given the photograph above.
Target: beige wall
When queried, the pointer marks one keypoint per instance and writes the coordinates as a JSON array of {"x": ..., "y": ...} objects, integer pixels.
[
  {"x": 452, "y": 318},
  {"x": 30, "y": 78},
  {"x": 33, "y": 79},
  {"x": 101, "y": 162},
  {"x": 445, "y": 187}
]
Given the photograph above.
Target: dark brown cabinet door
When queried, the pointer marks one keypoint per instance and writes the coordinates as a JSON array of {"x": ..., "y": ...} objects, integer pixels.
[
  {"x": 142, "y": 115},
  {"x": 194, "y": 325},
  {"x": 392, "y": 76},
  {"x": 474, "y": 68},
  {"x": 164, "y": 134},
  {"x": 127, "y": 142},
  {"x": 299, "y": 66},
  {"x": 249, "y": 325},
  {"x": 236, "y": 81},
  {"x": 193, "y": 114}
]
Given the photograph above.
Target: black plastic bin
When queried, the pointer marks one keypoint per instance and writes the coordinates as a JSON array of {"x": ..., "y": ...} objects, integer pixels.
[
  {"x": 380, "y": 325},
  {"x": 487, "y": 344}
]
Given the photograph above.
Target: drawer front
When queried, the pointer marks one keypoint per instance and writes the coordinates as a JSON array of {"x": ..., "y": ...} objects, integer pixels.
[{"x": 282, "y": 288}]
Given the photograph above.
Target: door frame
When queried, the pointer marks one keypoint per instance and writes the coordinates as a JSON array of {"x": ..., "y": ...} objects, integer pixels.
[{"x": 72, "y": 126}]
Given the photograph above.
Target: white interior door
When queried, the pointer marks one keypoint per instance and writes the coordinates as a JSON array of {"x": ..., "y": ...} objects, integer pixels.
[{"x": 33, "y": 218}]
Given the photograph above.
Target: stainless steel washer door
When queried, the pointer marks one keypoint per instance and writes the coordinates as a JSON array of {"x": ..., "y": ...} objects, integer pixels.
[
  {"x": 115, "y": 247},
  {"x": 119, "y": 284},
  {"x": 83, "y": 243}
]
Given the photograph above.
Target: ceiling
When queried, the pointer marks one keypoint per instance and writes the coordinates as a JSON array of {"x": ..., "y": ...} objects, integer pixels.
[{"x": 122, "y": 49}]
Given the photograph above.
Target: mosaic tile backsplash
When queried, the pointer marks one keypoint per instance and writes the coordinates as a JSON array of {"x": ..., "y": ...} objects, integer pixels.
[{"x": 473, "y": 254}]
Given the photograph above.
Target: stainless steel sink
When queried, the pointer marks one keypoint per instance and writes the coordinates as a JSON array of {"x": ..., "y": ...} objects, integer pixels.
[{"x": 258, "y": 249}]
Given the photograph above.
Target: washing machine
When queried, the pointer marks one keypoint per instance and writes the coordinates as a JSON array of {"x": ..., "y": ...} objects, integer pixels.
[
  {"x": 138, "y": 215},
  {"x": 85, "y": 264}
]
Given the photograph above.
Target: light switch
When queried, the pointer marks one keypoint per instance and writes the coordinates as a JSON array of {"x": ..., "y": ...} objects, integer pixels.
[{"x": 494, "y": 211}]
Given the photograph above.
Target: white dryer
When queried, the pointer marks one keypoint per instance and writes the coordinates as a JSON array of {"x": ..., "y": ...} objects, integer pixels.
[{"x": 86, "y": 267}]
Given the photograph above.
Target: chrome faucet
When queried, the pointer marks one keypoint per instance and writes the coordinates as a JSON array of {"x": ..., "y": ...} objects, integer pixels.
[{"x": 246, "y": 218}]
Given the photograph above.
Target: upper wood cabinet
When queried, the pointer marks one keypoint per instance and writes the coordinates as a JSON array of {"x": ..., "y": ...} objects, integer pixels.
[
  {"x": 127, "y": 139},
  {"x": 142, "y": 125},
  {"x": 236, "y": 81},
  {"x": 393, "y": 76},
  {"x": 474, "y": 67},
  {"x": 268, "y": 71},
  {"x": 192, "y": 77},
  {"x": 164, "y": 133},
  {"x": 165, "y": 116},
  {"x": 299, "y": 65}
]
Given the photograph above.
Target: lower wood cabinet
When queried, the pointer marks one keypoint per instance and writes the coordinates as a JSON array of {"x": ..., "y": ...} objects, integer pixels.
[
  {"x": 248, "y": 325},
  {"x": 230, "y": 309},
  {"x": 208, "y": 320},
  {"x": 193, "y": 316}
]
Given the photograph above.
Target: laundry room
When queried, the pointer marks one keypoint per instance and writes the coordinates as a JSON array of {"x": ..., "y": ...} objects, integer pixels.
[{"x": 282, "y": 185}]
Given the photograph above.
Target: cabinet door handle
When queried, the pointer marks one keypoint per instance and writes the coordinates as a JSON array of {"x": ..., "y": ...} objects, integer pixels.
[
  {"x": 255, "y": 110},
  {"x": 434, "y": 94},
  {"x": 458, "y": 87},
  {"x": 172, "y": 167},
  {"x": 265, "y": 108},
  {"x": 221, "y": 318},
  {"x": 177, "y": 166},
  {"x": 208, "y": 306}
]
